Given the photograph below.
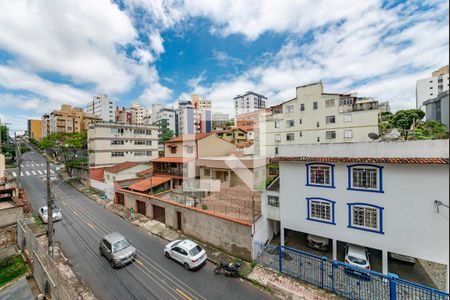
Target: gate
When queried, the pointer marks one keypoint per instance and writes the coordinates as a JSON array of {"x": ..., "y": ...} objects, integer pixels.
[
  {"x": 340, "y": 278},
  {"x": 159, "y": 213}
]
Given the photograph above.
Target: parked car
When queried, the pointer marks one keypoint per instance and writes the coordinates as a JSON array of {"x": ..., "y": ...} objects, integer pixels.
[
  {"x": 117, "y": 250},
  {"x": 357, "y": 256},
  {"x": 401, "y": 257},
  {"x": 317, "y": 242},
  {"x": 186, "y": 252},
  {"x": 43, "y": 214}
]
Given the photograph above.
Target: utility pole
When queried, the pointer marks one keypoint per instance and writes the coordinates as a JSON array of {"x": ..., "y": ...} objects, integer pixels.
[
  {"x": 49, "y": 211},
  {"x": 19, "y": 161}
]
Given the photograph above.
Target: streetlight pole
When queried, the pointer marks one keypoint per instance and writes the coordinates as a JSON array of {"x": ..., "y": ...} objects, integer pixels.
[
  {"x": 19, "y": 161},
  {"x": 49, "y": 211}
]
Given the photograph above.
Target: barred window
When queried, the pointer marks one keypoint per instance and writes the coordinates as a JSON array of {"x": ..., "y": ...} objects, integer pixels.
[
  {"x": 320, "y": 210},
  {"x": 330, "y": 135},
  {"x": 320, "y": 174},
  {"x": 330, "y": 119},
  {"x": 273, "y": 201},
  {"x": 117, "y": 154},
  {"x": 365, "y": 216},
  {"x": 364, "y": 177}
]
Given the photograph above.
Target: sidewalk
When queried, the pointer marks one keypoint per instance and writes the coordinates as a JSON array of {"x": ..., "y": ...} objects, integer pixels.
[{"x": 282, "y": 286}]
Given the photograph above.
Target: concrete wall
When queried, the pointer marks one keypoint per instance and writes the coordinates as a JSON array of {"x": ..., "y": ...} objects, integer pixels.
[
  {"x": 410, "y": 222},
  {"x": 82, "y": 174},
  {"x": 125, "y": 174},
  {"x": 221, "y": 232}
]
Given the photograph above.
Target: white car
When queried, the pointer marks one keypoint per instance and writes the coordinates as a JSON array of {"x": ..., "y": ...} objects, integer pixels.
[
  {"x": 186, "y": 252},
  {"x": 317, "y": 242},
  {"x": 43, "y": 214},
  {"x": 357, "y": 256}
]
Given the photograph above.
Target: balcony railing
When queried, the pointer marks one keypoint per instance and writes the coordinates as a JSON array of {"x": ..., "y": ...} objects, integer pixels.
[{"x": 174, "y": 172}]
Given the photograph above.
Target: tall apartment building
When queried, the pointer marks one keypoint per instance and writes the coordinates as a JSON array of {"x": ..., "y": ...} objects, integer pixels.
[
  {"x": 429, "y": 88},
  {"x": 138, "y": 112},
  {"x": 123, "y": 115},
  {"x": 35, "y": 129},
  {"x": 68, "y": 119},
  {"x": 102, "y": 107},
  {"x": 113, "y": 143},
  {"x": 316, "y": 117},
  {"x": 45, "y": 125},
  {"x": 249, "y": 102},
  {"x": 194, "y": 116}
]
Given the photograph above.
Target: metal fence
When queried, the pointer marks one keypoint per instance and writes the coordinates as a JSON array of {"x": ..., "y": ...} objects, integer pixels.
[
  {"x": 340, "y": 278},
  {"x": 45, "y": 270}
]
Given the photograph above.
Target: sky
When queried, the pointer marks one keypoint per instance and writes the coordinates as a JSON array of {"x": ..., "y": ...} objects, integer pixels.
[{"x": 161, "y": 51}]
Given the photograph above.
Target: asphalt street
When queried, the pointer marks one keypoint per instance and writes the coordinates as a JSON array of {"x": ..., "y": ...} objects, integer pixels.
[{"x": 151, "y": 276}]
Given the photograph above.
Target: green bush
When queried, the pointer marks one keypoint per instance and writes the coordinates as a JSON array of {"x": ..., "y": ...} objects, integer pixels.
[
  {"x": 11, "y": 268},
  {"x": 205, "y": 207}
]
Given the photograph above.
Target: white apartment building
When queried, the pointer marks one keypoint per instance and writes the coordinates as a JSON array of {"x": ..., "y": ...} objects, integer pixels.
[
  {"x": 429, "y": 88},
  {"x": 249, "y": 102},
  {"x": 138, "y": 112},
  {"x": 391, "y": 197},
  {"x": 316, "y": 117},
  {"x": 102, "y": 107},
  {"x": 167, "y": 114},
  {"x": 113, "y": 143},
  {"x": 220, "y": 117}
]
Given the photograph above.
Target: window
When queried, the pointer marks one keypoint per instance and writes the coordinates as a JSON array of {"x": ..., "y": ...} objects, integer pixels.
[
  {"x": 347, "y": 118},
  {"x": 117, "y": 154},
  {"x": 290, "y": 137},
  {"x": 320, "y": 210},
  {"x": 330, "y": 119},
  {"x": 207, "y": 172},
  {"x": 117, "y": 130},
  {"x": 330, "y": 135},
  {"x": 140, "y": 153},
  {"x": 116, "y": 142},
  {"x": 276, "y": 150},
  {"x": 173, "y": 150},
  {"x": 365, "y": 216},
  {"x": 289, "y": 109},
  {"x": 302, "y": 107},
  {"x": 139, "y": 131},
  {"x": 148, "y": 143},
  {"x": 148, "y": 132},
  {"x": 277, "y": 138},
  {"x": 329, "y": 103},
  {"x": 363, "y": 177},
  {"x": 345, "y": 101},
  {"x": 139, "y": 142},
  {"x": 348, "y": 134},
  {"x": 189, "y": 149},
  {"x": 277, "y": 124},
  {"x": 273, "y": 201},
  {"x": 149, "y": 153},
  {"x": 315, "y": 105},
  {"x": 320, "y": 174},
  {"x": 290, "y": 123}
]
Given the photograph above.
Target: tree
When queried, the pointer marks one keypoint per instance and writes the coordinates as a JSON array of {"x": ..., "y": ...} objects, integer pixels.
[
  {"x": 167, "y": 135},
  {"x": 430, "y": 129},
  {"x": 67, "y": 146},
  {"x": 404, "y": 119}
]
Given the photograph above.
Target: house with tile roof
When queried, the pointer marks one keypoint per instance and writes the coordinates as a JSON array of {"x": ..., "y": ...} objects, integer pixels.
[{"x": 388, "y": 197}]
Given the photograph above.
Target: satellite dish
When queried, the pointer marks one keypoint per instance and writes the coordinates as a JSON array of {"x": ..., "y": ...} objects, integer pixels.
[{"x": 373, "y": 136}]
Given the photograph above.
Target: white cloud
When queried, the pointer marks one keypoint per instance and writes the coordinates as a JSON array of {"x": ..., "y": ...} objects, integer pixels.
[{"x": 223, "y": 58}]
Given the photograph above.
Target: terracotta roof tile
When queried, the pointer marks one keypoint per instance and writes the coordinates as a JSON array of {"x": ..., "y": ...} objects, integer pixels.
[
  {"x": 122, "y": 166},
  {"x": 147, "y": 183},
  {"x": 189, "y": 137},
  {"x": 387, "y": 160}
]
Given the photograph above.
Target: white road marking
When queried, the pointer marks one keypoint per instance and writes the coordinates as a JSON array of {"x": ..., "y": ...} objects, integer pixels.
[
  {"x": 14, "y": 174},
  {"x": 39, "y": 171},
  {"x": 34, "y": 173},
  {"x": 28, "y": 173},
  {"x": 21, "y": 173}
]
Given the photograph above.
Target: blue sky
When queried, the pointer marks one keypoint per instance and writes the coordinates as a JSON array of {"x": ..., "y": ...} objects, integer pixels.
[{"x": 155, "y": 51}]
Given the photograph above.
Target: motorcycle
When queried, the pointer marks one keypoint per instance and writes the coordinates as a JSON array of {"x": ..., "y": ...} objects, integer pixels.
[{"x": 231, "y": 269}]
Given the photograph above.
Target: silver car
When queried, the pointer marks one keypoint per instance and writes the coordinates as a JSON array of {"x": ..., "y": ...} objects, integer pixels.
[{"x": 117, "y": 249}]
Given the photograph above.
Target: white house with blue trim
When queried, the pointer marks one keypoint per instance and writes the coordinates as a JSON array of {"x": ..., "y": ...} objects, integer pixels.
[{"x": 390, "y": 196}]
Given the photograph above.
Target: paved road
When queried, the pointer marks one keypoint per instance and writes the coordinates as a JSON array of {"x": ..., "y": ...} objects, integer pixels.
[{"x": 151, "y": 276}]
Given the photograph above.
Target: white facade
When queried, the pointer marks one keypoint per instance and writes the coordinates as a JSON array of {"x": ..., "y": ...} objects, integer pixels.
[
  {"x": 316, "y": 117},
  {"x": 102, "y": 107},
  {"x": 220, "y": 117},
  {"x": 167, "y": 114},
  {"x": 429, "y": 88},
  {"x": 138, "y": 112},
  {"x": 249, "y": 102},
  {"x": 113, "y": 143},
  {"x": 395, "y": 211}
]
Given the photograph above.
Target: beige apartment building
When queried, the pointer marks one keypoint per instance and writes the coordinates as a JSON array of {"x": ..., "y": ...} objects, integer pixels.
[
  {"x": 68, "y": 119},
  {"x": 138, "y": 112},
  {"x": 114, "y": 143},
  {"x": 316, "y": 117}
]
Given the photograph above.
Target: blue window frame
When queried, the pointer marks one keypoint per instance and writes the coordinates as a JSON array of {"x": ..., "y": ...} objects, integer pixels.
[
  {"x": 365, "y": 178},
  {"x": 320, "y": 175},
  {"x": 320, "y": 210},
  {"x": 364, "y": 216}
]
